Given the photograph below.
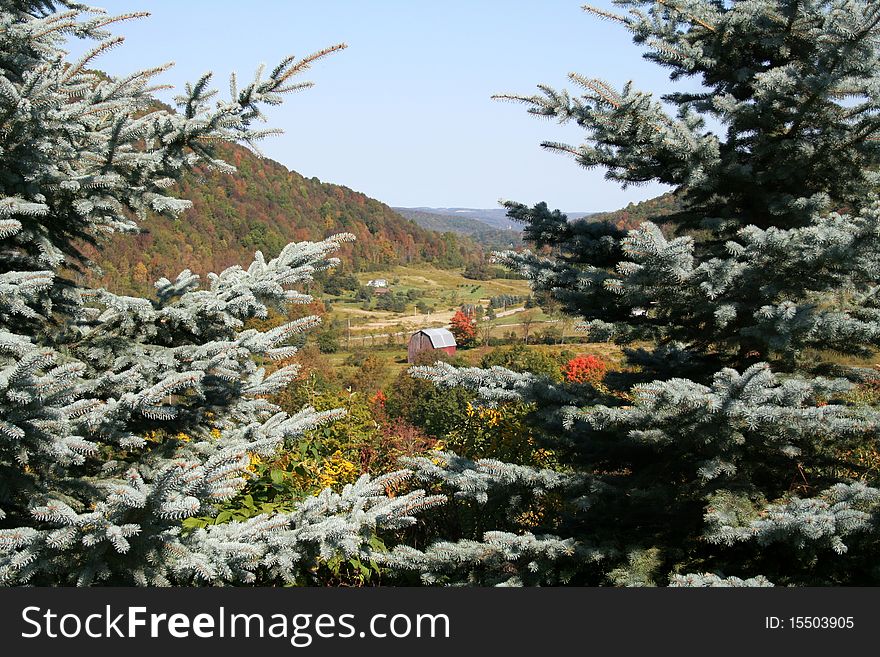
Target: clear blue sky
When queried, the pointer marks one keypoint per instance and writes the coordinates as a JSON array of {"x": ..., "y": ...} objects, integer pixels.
[{"x": 404, "y": 113}]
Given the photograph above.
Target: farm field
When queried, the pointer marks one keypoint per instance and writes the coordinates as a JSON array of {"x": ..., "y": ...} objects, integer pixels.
[
  {"x": 387, "y": 362},
  {"x": 443, "y": 291},
  {"x": 442, "y": 282}
]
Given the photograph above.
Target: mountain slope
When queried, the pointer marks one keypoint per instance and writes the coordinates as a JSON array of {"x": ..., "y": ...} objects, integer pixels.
[
  {"x": 635, "y": 213},
  {"x": 264, "y": 206}
]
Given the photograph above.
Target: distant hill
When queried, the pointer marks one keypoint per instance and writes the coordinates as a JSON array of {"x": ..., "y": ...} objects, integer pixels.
[
  {"x": 481, "y": 232},
  {"x": 264, "y": 206},
  {"x": 493, "y": 229},
  {"x": 635, "y": 213},
  {"x": 495, "y": 217}
]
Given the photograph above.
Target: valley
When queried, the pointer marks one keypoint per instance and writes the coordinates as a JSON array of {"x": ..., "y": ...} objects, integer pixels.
[{"x": 432, "y": 296}]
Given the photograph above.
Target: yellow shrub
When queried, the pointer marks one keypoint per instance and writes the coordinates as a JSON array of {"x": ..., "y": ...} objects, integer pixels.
[{"x": 337, "y": 470}]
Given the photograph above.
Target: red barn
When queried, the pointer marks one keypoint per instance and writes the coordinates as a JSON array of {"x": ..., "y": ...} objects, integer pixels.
[{"x": 434, "y": 339}]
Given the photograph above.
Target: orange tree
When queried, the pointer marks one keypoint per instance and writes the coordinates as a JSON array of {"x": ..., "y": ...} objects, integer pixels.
[
  {"x": 463, "y": 328},
  {"x": 584, "y": 369}
]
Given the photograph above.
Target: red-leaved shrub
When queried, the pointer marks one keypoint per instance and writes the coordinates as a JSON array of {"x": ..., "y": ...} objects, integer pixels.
[{"x": 584, "y": 369}]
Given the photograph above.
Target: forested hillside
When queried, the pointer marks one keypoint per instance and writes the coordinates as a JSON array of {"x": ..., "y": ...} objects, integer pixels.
[
  {"x": 635, "y": 213},
  {"x": 266, "y": 206}
]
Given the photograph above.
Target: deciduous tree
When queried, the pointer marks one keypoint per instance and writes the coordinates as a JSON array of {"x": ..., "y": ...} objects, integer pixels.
[{"x": 463, "y": 327}]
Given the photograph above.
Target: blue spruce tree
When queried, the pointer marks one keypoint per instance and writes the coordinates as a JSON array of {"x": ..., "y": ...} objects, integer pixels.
[
  {"x": 86, "y": 376},
  {"x": 739, "y": 448}
]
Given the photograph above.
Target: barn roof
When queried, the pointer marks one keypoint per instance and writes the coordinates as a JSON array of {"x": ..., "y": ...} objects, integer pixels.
[{"x": 440, "y": 337}]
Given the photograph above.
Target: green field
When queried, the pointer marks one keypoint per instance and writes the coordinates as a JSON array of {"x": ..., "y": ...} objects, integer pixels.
[{"x": 443, "y": 283}]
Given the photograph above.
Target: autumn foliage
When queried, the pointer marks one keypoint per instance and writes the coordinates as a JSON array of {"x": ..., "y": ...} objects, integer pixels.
[
  {"x": 264, "y": 207},
  {"x": 584, "y": 369},
  {"x": 463, "y": 328}
]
